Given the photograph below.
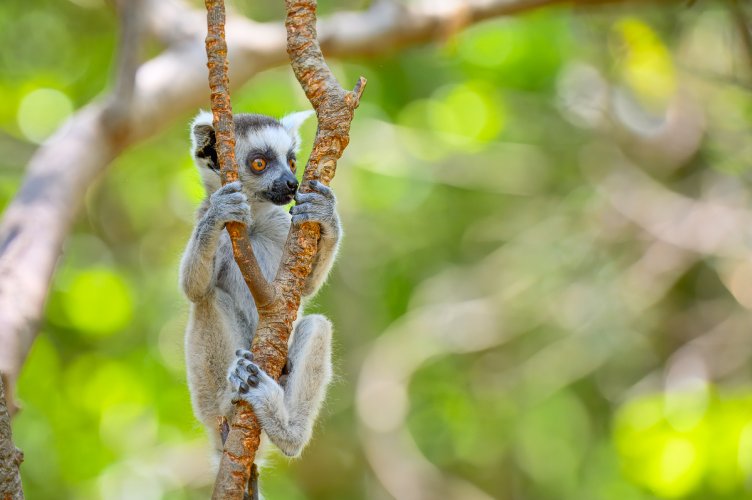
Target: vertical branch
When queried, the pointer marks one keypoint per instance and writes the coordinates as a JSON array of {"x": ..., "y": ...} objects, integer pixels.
[
  {"x": 334, "y": 108},
  {"x": 10, "y": 456},
  {"x": 117, "y": 113},
  {"x": 216, "y": 52}
]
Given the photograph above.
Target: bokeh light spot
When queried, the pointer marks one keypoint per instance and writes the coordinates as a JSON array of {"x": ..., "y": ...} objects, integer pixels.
[
  {"x": 41, "y": 111},
  {"x": 99, "y": 302},
  {"x": 646, "y": 65}
]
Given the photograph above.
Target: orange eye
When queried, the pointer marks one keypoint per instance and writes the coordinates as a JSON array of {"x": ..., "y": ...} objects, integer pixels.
[
  {"x": 292, "y": 164},
  {"x": 258, "y": 164}
]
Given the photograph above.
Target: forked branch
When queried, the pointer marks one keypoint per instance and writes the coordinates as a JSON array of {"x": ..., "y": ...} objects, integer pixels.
[{"x": 334, "y": 108}]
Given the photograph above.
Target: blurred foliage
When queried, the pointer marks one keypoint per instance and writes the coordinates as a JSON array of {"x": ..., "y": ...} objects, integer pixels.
[{"x": 529, "y": 303}]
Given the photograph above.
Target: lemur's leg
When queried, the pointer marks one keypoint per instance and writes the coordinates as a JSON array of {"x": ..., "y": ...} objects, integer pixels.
[{"x": 287, "y": 414}]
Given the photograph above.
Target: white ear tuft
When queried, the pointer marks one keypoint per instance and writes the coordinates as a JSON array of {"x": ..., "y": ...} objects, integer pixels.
[
  {"x": 200, "y": 127},
  {"x": 293, "y": 121},
  {"x": 203, "y": 118}
]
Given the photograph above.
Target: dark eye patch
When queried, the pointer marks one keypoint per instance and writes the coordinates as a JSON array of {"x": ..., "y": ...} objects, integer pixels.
[
  {"x": 265, "y": 153},
  {"x": 208, "y": 151}
]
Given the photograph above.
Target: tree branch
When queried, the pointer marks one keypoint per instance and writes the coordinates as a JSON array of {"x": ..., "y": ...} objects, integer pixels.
[
  {"x": 58, "y": 176},
  {"x": 219, "y": 84},
  {"x": 63, "y": 168},
  {"x": 334, "y": 108},
  {"x": 737, "y": 11},
  {"x": 10, "y": 456}
]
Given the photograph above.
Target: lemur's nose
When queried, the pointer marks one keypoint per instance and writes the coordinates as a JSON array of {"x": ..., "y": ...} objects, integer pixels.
[{"x": 292, "y": 184}]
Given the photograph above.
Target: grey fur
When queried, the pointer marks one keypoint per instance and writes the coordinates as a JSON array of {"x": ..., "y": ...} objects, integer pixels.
[{"x": 223, "y": 315}]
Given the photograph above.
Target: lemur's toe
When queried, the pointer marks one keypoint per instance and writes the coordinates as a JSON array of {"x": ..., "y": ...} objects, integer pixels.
[{"x": 244, "y": 353}]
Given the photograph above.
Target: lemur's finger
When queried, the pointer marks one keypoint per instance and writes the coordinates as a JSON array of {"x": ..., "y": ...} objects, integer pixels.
[
  {"x": 253, "y": 380},
  {"x": 322, "y": 189},
  {"x": 306, "y": 197},
  {"x": 253, "y": 369},
  {"x": 244, "y": 388},
  {"x": 235, "y": 382},
  {"x": 235, "y": 198},
  {"x": 232, "y": 187},
  {"x": 244, "y": 353},
  {"x": 301, "y": 218}
]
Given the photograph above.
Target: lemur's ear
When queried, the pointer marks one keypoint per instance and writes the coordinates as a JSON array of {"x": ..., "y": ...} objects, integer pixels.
[
  {"x": 292, "y": 123},
  {"x": 203, "y": 141}
]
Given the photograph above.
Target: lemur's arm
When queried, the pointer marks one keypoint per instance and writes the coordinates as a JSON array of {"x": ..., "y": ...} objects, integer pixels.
[
  {"x": 320, "y": 206},
  {"x": 197, "y": 269}
]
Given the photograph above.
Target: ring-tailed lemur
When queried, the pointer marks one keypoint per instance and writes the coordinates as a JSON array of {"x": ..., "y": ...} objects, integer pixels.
[{"x": 223, "y": 315}]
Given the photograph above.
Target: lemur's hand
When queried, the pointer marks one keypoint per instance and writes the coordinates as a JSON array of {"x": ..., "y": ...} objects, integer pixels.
[
  {"x": 229, "y": 204},
  {"x": 317, "y": 206}
]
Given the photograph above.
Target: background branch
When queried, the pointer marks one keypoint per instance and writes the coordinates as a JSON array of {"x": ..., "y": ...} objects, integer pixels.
[
  {"x": 740, "y": 19},
  {"x": 58, "y": 175},
  {"x": 10, "y": 456}
]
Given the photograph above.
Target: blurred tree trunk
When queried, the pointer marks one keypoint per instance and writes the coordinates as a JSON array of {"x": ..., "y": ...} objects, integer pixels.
[{"x": 10, "y": 456}]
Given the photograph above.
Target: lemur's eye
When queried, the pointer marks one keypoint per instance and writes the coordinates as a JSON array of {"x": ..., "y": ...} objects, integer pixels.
[
  {"x": 292, "y": 164},
  {"x": 258, "y": 164}
]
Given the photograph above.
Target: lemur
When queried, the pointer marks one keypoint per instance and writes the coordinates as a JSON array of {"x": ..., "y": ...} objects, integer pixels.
[{"x": 223, "y": 315}]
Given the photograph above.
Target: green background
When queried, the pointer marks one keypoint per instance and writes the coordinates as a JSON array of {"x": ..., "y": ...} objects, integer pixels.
[{"x": 529, "y": 303}]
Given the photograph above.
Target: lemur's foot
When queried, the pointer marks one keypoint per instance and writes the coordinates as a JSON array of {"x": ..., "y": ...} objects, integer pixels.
[
  {"x": 249, "y": 381},
  {"x": 316, "y": 206},
  {"x": 245, "y": 373}
]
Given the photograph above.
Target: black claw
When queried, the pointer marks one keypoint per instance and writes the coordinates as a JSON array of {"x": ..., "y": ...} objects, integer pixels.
[
  {"x": 248, "y": 355},
  {"x": 253, "y": 380},
  {"x": 243, "y": 388},
  {"x": 239, "y": 352},
  {"x": 253, "y": 369}
]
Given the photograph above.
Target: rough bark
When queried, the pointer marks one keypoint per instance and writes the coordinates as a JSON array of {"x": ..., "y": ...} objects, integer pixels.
[
  {"x": 10, "y": 456},
  {"x": 334, "y": 108},
  {"x": 219, "y": 85}
]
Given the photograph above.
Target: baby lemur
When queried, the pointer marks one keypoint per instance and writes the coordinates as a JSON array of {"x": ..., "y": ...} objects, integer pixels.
[{"x": 223, "y": 315}]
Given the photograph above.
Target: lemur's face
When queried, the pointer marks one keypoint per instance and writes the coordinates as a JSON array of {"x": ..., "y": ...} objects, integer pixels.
[{"x": 265, "y": 150}]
